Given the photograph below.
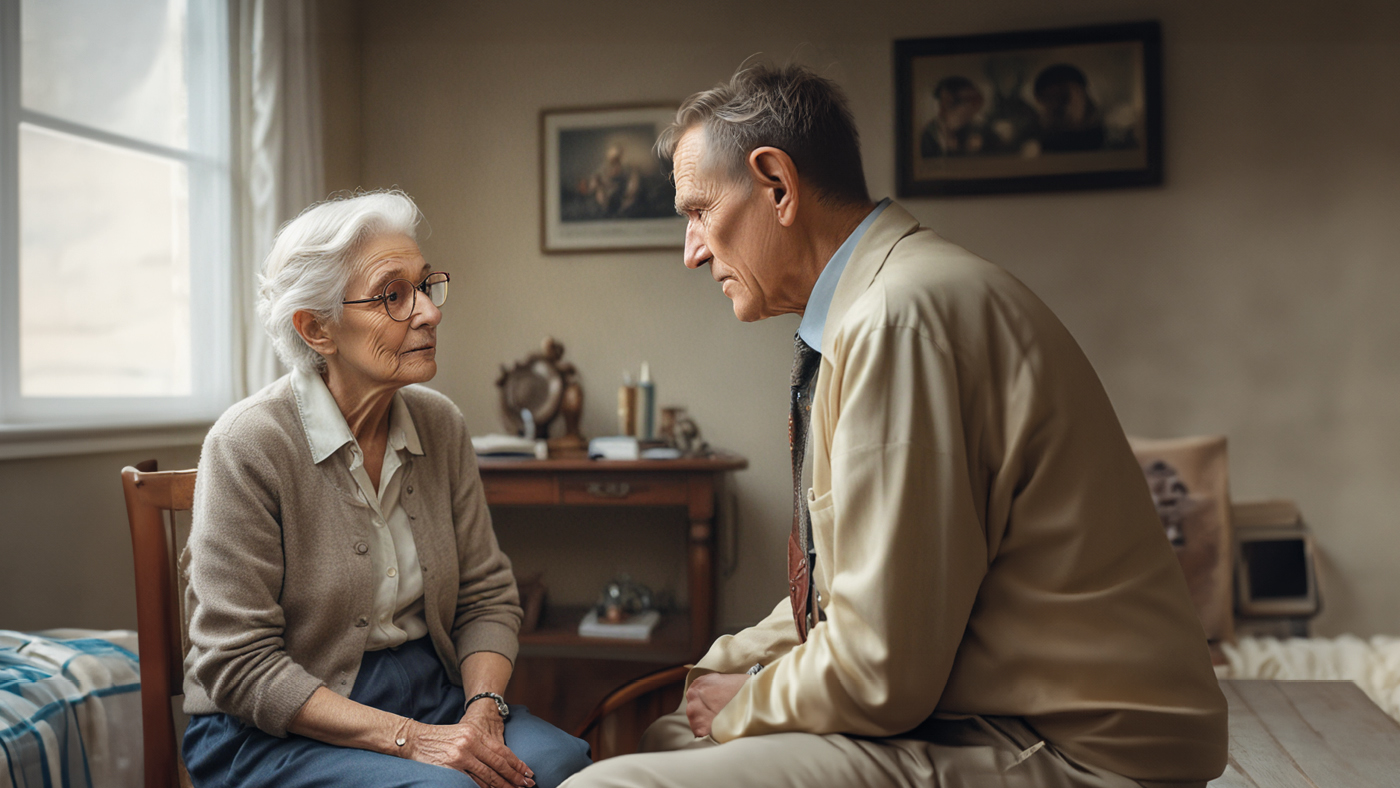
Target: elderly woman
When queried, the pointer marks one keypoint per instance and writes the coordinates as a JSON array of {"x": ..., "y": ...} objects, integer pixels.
[{"x": 352, "y": 620}]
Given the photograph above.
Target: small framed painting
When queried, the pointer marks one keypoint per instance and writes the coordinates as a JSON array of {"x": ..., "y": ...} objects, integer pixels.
[
  {"x": 603, "y": 188},
  {"x": 1040, "y": 110}
]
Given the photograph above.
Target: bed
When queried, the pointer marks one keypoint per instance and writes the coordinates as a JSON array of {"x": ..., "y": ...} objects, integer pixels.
[{"x": 70, "y": 710}]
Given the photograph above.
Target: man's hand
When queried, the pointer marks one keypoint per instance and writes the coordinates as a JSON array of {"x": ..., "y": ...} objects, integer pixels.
[
  {"x": 476, "y": 745},
  {"x": 707, "y": 695}
]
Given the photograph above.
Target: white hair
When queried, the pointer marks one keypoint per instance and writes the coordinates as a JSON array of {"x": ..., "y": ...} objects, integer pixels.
[{"x": 313, "y": 258}]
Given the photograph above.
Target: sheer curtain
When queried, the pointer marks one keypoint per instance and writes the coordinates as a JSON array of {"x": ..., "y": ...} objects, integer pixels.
[{"x": 280, "y": 150}]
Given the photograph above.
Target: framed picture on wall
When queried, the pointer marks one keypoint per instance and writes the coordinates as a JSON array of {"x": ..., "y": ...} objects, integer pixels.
[
  {"x": 602, "y": 186},
  {"x": 1040, "y": 110}
]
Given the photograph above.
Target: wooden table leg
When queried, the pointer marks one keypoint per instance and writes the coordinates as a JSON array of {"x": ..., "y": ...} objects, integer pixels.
[{"x": 701, "y": 512}]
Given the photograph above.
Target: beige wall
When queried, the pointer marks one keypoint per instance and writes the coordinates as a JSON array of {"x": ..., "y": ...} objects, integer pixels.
[
  {"x": 65, "y": 551},
  {"x": 1252, "y": 295}
]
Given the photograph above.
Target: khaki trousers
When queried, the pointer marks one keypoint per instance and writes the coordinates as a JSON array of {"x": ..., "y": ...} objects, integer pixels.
[{"x": 970, "y": 752}]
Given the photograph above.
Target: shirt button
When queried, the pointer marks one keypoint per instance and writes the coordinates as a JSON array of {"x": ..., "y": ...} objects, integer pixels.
[
  {"x": 361, "y": 622},
  {"x": 413, "y": 517},
  {"x": 410, "y": 489},
  {"x": 379, "y": 523},
  {"x": 393, "y": 571},
  {"x": 361, "y": 548}
]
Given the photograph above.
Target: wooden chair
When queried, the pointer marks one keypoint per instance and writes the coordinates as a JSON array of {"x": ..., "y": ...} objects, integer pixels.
[
  {"x": 616, "y": 724},
  {"x": 152, "y": 498}
]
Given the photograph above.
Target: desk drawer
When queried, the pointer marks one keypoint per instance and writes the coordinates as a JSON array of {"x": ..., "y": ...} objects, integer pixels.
[
  {"x": 631, "y": 490},
  {"x": 520, "y": 489}
]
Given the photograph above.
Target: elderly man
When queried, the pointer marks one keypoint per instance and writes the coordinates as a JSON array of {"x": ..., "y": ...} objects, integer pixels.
[{"x": 981, "y": 591}]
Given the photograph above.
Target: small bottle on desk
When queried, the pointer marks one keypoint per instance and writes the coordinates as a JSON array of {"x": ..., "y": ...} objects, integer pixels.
[
  {"x": 646, "y": 402},
  {"x": 627, "y": 406}
]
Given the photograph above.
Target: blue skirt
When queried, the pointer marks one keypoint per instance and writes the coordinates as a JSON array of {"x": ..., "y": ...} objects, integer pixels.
[{"x": 221, "y": 752}]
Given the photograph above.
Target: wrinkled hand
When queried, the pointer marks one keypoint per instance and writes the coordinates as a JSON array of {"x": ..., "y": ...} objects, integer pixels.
[
  {"x": 476, "y": 745},
  {"x": 707, "y": 695}
]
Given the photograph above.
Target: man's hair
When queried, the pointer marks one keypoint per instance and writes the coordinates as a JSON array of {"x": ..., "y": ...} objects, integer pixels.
[{"x": 789, "y": 108}]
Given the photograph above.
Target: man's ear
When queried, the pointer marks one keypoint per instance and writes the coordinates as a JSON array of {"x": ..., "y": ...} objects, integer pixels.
[
  {"x": 314, "y": 332},
  {"x": 774, "y": 172}
]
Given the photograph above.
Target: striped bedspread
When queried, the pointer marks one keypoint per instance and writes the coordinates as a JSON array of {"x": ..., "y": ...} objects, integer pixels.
[{"x": 70, "y": 710}]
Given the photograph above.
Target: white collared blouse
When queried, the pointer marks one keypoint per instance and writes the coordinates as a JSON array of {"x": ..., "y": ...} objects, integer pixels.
[{"x": 397, "y": 615}]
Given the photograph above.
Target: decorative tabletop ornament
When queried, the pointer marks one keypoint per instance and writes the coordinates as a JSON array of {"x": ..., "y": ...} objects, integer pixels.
[{"x": 543, "y": 386}]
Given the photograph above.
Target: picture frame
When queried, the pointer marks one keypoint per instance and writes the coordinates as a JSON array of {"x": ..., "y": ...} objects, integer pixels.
[
  {"x": 1029, "y": 111},
  {"x": 602, "y": 188}
]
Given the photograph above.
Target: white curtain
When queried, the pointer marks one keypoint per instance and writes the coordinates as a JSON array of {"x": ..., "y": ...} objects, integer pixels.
[{"x": 280, "y": 149}]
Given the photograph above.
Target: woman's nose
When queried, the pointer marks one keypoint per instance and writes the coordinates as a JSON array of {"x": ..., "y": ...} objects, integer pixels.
[{"x": 425, "y": 312}]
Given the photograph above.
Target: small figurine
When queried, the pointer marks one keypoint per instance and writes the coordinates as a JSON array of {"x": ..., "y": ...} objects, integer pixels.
[
  {"x": 621, "y": 598},
  {"x": 680, "y": 431}
]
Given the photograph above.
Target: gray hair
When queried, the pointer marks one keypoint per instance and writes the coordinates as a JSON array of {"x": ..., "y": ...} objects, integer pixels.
[
  {"x": 313, "y": 258},
  {"x": 790, "y": 108}
]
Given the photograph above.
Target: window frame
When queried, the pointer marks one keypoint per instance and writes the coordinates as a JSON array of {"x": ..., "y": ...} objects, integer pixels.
[{"x": 30, "y": 424}]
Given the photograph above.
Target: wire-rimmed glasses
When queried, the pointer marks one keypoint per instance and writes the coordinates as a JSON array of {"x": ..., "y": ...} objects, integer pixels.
[{"x": 400, "y": 296}]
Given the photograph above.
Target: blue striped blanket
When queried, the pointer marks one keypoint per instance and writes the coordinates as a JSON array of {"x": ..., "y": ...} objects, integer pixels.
[{"x": 70, "y": 710}]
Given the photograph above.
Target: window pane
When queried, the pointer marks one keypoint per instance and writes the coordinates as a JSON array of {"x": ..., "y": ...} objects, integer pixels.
[
  {"x": 104, "y": 270},
  {"x": 118, "y": 65}
]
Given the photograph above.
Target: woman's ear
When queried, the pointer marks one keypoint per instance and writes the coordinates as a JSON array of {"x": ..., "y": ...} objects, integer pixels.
[
  {"x": 772, "y": 170},
  {"x": 313, "y": 332}
]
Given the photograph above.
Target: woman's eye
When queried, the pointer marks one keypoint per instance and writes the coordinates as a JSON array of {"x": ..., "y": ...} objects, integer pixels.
[{"x": 391, "y": 297}]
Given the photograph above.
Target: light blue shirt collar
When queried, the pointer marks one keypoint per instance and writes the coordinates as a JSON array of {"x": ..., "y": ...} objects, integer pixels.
[
  {"x": 326, "y": 428},
  {"x": 819, "y": 303}
]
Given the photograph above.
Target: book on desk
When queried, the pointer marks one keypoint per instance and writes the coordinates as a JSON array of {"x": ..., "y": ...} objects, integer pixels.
[{"x": 634, "y": 627}]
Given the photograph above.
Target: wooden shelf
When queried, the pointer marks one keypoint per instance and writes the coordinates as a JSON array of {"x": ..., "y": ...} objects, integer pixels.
[{"x": 557, "y": 636}]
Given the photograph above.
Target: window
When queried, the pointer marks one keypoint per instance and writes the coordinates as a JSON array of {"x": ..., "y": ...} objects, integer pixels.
[{"x": 114, "y": 212}]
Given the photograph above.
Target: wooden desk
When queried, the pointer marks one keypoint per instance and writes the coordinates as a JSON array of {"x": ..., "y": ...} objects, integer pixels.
[
  {"x": 688, "y": 483},
  {"x": 1308, "y": 734}
]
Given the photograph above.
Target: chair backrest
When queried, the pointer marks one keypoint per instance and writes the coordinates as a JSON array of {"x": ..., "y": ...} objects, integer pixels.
[
  {"x": 615, "y": 726},
  {"x": 152, "y": 498}
]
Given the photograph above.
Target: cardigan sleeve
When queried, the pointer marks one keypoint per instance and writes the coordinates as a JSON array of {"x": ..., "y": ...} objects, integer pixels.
[
  {"x": 235, "y": 575},
  {"x": 906, "y": 557},
  {"x": 488, "y": 606}
]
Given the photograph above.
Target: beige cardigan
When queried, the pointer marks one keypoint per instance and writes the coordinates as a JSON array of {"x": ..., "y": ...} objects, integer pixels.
[
  {"x": 280, "y": 585},
  {"x": 985, "y": 540}
]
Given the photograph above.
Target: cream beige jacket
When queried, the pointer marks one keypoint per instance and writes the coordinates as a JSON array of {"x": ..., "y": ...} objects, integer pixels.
[
  {"x": 281, "y": 585},
  {"x": 986, "y": 544}
]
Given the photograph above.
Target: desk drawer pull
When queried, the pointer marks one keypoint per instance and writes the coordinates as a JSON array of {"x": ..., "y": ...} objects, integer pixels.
[{"x": 609, "y": 489}]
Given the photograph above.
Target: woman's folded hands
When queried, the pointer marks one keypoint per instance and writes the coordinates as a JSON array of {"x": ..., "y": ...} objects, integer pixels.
[{"x": 476, "y": 745}]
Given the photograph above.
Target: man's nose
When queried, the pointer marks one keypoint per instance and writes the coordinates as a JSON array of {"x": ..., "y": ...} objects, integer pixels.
[{"x": 697, "y": 253}]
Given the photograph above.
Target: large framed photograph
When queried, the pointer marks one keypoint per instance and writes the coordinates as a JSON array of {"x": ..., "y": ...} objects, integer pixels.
[
  {"x": 1040, "y": 110},
  {"x": 603, "y": 188}
]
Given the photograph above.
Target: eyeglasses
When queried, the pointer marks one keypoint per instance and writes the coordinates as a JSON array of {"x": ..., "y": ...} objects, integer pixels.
[{"x": 400, "y": 296}]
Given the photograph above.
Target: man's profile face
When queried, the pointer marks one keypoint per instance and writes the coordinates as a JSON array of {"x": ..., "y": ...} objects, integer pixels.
[{"x": 729, "y": 227}]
